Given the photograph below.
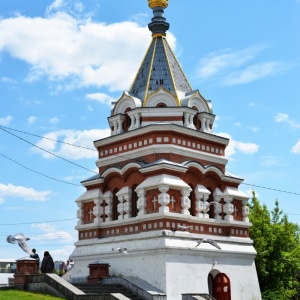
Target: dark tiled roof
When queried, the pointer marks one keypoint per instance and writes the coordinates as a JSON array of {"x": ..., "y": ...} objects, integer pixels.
[{"x": 159, "y": 69}]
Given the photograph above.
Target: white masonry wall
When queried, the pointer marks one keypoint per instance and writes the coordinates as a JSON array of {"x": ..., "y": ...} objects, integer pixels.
[{"x": 173, "y": 264}]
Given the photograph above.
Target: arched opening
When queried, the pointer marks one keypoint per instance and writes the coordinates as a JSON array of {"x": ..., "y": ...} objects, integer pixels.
[
  {"x": 115, "y": 203},
  {"x": 161, "y": 105},
  {"x": 222, "y": 287},
  {"x": 193, "y": 201},
  {"x": 196, "y": 120},
  {"x": 219, "y": 285},
  {"x": 134, "y": 199},
  {"x": 127, "y": 122},
  {"x": 211, "y": 211}
]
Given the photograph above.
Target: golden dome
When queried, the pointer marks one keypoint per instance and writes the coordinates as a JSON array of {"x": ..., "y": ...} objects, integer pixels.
[{"x": 155, "y": 3}]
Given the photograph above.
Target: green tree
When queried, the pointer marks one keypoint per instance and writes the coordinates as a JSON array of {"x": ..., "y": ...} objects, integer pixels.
[{"x": 277, "y": 242}]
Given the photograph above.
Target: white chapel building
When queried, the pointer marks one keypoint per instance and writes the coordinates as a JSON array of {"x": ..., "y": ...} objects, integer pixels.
[{"x": 162, "y": 188}]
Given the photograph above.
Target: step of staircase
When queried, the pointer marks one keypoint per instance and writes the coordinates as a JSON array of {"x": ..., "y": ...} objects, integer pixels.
[{"x": 98, "y": 288}]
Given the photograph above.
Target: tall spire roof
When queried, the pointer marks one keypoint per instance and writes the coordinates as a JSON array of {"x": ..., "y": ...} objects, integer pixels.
[{"x": 159, "y": 68}]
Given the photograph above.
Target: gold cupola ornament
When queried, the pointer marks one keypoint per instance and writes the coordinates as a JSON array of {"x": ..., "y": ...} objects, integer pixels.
[{"x": 156, "y": 3}]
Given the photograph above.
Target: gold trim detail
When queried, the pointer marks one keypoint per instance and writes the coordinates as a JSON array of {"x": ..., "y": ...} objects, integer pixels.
[
  {"x": 155, "y": 3},
  {"x": 149, "y": 75},
  {"x": 187, "y": 81},
  {"x": 155, "y": 35}
]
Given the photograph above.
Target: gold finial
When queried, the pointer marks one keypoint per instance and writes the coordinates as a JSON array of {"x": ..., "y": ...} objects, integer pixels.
[{"x": 155, "y": 3}]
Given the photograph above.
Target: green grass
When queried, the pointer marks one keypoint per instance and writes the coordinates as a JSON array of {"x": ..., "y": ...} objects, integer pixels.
[{"x": 21, "y": 295}]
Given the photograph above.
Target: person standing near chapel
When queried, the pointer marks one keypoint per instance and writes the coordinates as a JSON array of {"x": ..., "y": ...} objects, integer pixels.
[
  {"x": 34, "y": 255},
  {"x": 47, "y": 263}
]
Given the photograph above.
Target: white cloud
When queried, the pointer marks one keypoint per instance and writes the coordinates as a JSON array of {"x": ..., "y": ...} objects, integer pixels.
[
  {"x": 44, "y": 227},
  {"x": 249, "y": 192},
  {"x": 281, "y": 117},
  {"x": 234, "y": 146},
  {"x": 78, "y": 52},
  {"x": 83, "y": 138},
  {"x": 270, "y": 161},
  {"x": 254, "y": 128},
  {"x": 54, "y": 120},
  {"x": 253, "y": 72},
  {"x": 5, "y": 121},
  {"x": 233, "y": 67},
  {"x": 62, "y": 236},
  {"x": 296, "y": 148},
  {"x": 28, "y": 194},
  {"x": 54, "y": 6},
  {"x": 101, "y": 97},
  {"x": 7, "y": 80},
  {"x": 31, "y": 120},
  {"x": 216, "y": 62}
]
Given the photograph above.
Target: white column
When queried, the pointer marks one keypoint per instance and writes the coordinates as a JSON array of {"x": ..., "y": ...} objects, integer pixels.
[
  {"x": 120, "y": 128},
  {"x": 107, "y": 197},
  {"x": 164, "y": 198},
  {"x": 80, "y": 213},
  {"x": 120, "y": 207},
  {"x": 217, "y": 207},
  {"x": 203, "y": 121},
  {"x": 141, "y": 203},
  {"x": 132, "y": 125},
  {"x": 186, "y": 119},
  {"x": 98, "y": 211},
  {"x": 228, "y": 208},
  {"x": 115, "y": 124},
  {"x": 191, "y": 122},
  {"x": 207, "y": 125},
  {"x": 209, "y": 128},
  {"x": 137, "y": 120},
  {"x": 245, "y": 211},
  {"x": 124, "y": 207},
  {"x": 202, "y": 194},
  {"x": 185, "y": 201}
]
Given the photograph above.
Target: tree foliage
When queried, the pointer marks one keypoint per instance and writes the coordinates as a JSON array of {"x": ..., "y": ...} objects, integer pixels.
[{"x": 277, "y": 242}]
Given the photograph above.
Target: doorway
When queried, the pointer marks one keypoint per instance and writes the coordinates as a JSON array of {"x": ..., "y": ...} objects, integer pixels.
[{"x": 219, "y": 285}]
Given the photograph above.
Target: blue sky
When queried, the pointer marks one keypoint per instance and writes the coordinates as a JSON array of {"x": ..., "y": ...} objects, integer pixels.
[{"x": 62, "y": 62}]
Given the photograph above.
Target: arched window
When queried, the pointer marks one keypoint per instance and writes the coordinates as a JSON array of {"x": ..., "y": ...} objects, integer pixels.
[
  {"x": 211, "y": 211},
  {"x": 222, "y": 287},
  {"x": 115, "y": 203},
  {"x": 196, "y": 120},
  {"x": 193, "y": 201},
  {"x": 127, "y": 122},
  {"x": 161, "y": 105},
  {"x": 134, "y": 199}
]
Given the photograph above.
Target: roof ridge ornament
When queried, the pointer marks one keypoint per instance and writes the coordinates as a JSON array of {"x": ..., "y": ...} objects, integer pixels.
[{"x": 158, "y": 26}]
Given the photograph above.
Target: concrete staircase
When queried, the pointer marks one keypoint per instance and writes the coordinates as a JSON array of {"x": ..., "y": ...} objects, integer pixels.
[{"x": 99, "y": 288}]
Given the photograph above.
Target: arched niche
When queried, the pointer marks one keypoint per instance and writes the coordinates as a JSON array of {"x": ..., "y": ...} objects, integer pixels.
[
  {"x": 160, "y": 98},
  {"x": 125, "y": 103}
]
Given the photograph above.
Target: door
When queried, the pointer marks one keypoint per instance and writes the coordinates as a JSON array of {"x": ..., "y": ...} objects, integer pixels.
[{"x": 222, "y": 287}]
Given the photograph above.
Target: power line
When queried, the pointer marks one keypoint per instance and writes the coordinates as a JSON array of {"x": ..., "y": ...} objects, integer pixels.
[
  {"x": 2, "y": 127},
  {"x": 37, "y": 222},
  {"x": 267, "y": 188},
  {"x": 47, "y": 151},
  {"x": 43, "y": 137},
  {"x": 38, "y": 172}
]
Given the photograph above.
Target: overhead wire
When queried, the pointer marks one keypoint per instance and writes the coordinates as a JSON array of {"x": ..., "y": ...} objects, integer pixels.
[
  {"x": 46, "y": 138},
  {"x": 40, "y": 173},
  {"x": 272, "y": 189},
  {"x": 74, "y": 145},
  {"x": 37, "y": 222},
  {"x": 47, "y": 151}
]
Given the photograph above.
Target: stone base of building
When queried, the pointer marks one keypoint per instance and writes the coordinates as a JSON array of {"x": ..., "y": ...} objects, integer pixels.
[{"x": 172, "y": 262}]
